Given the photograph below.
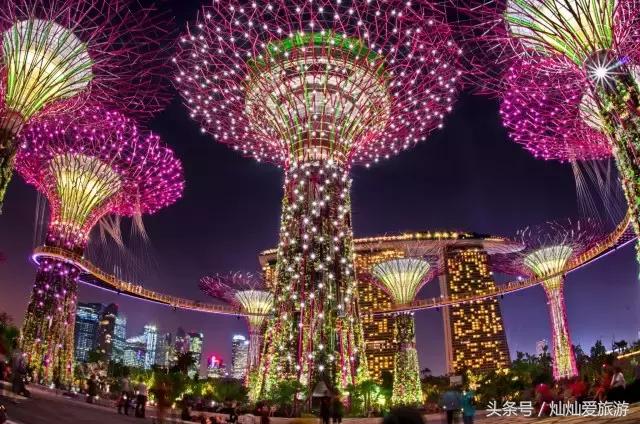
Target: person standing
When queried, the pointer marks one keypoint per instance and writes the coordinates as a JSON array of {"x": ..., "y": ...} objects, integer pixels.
[
  {"x": 125, "y": 396},
  {"x": 162, "y": 401},
  {"x": 92, "y": 388},
  {"x": 468, "y": 403},
  {"x": 337, "y": 410},
  {"x": 325, "y": 407},
  {"x": 618, "y": 385},
  {"x": 141, "y": 399},
  {"x": 451, "y": 403}
]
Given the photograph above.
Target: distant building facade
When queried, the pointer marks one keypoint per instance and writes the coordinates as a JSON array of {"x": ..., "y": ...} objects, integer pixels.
[
  {"x": 150, "y": 336},
  {"x": 474, "y": 332},
  {"x": 194, "y": 343},
  {"x": 86, "y": 329},
  {"x": 119, "y": 338},
  {"x": 164, "y": 350},
  {"x": 106, "y": 331},
  {"x": 216, "y": 367},
  {"x": 239, "y": 356}
]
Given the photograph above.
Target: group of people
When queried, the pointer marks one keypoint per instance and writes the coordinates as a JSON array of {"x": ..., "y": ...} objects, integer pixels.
[
  {"x": 455, "y": 402},
  {"x": 331, "y": 408},
  {"x": 141, "y": 398}
]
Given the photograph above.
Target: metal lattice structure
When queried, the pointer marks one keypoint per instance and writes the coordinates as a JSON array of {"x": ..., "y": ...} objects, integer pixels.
[
  {"x": 316, "y": 87},
  {"x": 87, "y": 165},
  {"x": 589, "y": 50},
  {"x": 58, "y": 54},
  {"x": 247, "y": 292},
  {"x": 549, "y": 248}
]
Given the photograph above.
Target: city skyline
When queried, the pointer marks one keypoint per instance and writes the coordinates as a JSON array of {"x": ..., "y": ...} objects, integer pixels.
[{"x": 469, "y": 162}]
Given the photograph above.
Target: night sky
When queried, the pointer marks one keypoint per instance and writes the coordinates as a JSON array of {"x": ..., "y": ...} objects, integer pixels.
[{"x": 468, "y": 176}]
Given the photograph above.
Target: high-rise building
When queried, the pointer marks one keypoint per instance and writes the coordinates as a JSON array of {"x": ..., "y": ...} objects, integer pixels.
[
  {"x": 119, "y": 338},
  {"x": 474, "y": 333},
  {"x": 135, "y": 352},
  {"x": 86, "y": 327},
  {"x": 194, "y": 343},
  {"x": 542, "y": 346},
  {"x": 216, "y": 368},
  {"x": 106, "y": 331},
  {"x": 151, "y": 338},
  {"x": 181, "y": 344},
  {"x": 239, "y": 356},
  {"x": 164, "y": 350}
]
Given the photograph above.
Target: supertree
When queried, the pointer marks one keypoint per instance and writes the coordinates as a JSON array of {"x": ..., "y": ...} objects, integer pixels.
[
  {"x": 316, "y": 87},
  {"x": 549, "y": 247},
  {"x": 402, "y": 279},
  {"x": 88, "y": 165},
  {"x": 248, "y": 293},
  {"x": 56, "y": 54},
  {"x": 584, "y": 52}
]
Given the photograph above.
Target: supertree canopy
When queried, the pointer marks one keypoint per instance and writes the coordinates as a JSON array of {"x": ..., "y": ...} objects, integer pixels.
[
  {"x": 403, "y": 279},
  {"x": 247, "y": 292},
  {"x": 593, "y": 42},
  {"x": 549, "y": 248},
  {"x": 316, "y": 87},
  {"x": 87, "y": 165},
  {"x": 56, "y": 54}
]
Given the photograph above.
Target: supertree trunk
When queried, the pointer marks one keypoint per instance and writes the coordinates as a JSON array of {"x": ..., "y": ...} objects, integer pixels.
[
  {"x": 255, "y": 344},
  {"x": 564, "y": 361},
  {"x": 48, "y": 330},
  {"x": 407, "y": 389},
  {"x": 316, "y": 333}
]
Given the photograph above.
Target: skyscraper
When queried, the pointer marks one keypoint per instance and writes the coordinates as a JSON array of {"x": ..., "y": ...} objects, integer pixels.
[
  {"x": 474, "y": 332},
  {"x": 135, "y": 352},
  {"x": 239, "y": 356},
  {"x": 150, "y": 337},
  {"x": 164, "y": 350},
  {"x": 215, "y": 367},
  {"x": 106, "y": 330},
  {"x": 86, "y": 326},
  {"x": 119, "y": 338},
  {"x": 194, "y": 343},
  {"x": 181, "y": 343}
]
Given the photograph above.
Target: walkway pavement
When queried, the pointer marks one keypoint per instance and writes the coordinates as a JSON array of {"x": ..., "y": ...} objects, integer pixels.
[{"x": 46, "y": 407}]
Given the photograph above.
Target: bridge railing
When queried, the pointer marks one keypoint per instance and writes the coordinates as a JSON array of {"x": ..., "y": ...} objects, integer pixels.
[{"x": 607, "y": 243}]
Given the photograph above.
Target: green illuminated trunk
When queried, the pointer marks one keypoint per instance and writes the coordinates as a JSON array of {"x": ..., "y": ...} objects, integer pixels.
[
  {"x": 407, "y": 389},
  {"x": 316, "y": 333}
]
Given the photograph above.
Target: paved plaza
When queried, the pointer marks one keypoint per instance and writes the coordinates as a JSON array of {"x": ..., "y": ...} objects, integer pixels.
[{"x": 45, "y": 408}]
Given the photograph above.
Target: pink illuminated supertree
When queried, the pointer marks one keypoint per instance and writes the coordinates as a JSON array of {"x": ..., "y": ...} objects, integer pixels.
[
  {"x": 548, "y": 248},
  {"x": 93, "y": 163},
  {"x": 580, "y": 59},
  {"x": 247, "y": 292},
  {"x": 57, "y": 54},
  {"x": 315, "y": 88}
]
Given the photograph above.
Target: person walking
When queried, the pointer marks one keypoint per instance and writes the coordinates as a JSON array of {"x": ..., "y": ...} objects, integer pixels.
[
  {"x": 337, "y": 410},
  {"x": 162, "y": 401},
  {"x": 451, "y": 403},
  {"x": 468, "y": 404},
  {"x": 325, "y": 407},
  {"x": 141, "y": 399},
  {"x": 125, "y": 395}
]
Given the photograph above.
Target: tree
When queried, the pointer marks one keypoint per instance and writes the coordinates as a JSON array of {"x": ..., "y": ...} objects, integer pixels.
[
  {"x": 230, "y": 390},
  {"x": 285, "y": 393},
  {"x": 8, "y": 334},
  {"x": 620, "y": 346},
  {"x": 598, "y": 350},
  {"x": 184, "y": 362}
]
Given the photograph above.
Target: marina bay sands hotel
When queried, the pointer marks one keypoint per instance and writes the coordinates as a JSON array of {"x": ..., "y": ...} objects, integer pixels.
[{"x": 474, "y": 332}]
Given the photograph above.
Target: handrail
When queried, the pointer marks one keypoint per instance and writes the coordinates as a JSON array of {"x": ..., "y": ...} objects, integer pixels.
[
  {"x": 116, "y": 284},
  {"x": 622, "y": 235}
]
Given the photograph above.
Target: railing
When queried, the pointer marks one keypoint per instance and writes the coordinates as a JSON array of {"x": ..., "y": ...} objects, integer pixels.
[
  {"x": 622, "y": 235},
  {"x": 120, "y": 286}
]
